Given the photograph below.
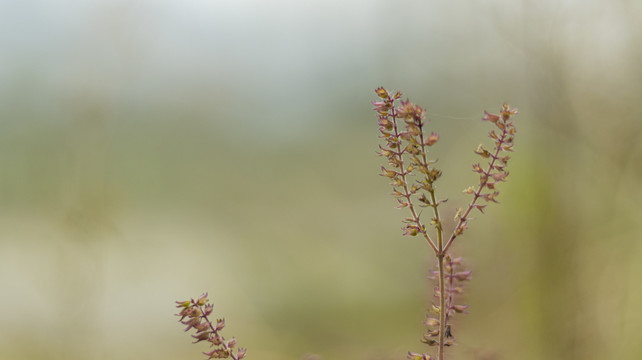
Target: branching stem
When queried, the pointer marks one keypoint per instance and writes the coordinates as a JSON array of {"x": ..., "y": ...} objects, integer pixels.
[{"x": 408, "y": 142}]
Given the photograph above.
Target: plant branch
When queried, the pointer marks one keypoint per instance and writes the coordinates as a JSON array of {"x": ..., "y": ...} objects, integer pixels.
[{"x": 463, "y": 220}]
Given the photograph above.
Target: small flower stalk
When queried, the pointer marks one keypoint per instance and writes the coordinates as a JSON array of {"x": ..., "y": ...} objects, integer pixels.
[
  {"x": 455, "y": 276},
  {"x": 195, "y": 314},
  {"x": 411, "y": 172},
  {"x": 413, "y": 175}
]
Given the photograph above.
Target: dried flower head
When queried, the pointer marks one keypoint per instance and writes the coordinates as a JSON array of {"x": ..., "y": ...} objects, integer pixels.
[{"x": 197, "y": 312}]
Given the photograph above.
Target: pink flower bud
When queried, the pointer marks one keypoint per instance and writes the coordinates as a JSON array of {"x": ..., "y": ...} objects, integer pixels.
[
  {"x": 431, "y": 322},
  {"x": 388, "y": 173},
  {"x": 216, "y": 340},
  {"x": 432, "y": 139},
  {"x": 202, "y": 300},
  {"x": 490, "y": 117},
  {"x": 381, "y": 107},
  {"x": 460, "y": 308},
  {"x": 183, "y": 304},
  {"x": 201, "y": 336},
  {"x": 416, "y": 356},
  {"x": 381, "y": 92},
  {"x": 463, "y": 275},
  {"x": 208, "y": 309}
]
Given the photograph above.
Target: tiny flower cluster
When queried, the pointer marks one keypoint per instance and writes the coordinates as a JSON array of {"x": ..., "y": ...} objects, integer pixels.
[
  {"x": 194, "y": 314},
  {"x": 494, "y": 173},
  {"x": 406, "y": 152},
  {"x": 454, "y": 277}
]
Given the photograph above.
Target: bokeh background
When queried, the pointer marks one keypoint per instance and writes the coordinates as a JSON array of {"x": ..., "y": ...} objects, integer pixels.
[{"x": 154, "y": 150}]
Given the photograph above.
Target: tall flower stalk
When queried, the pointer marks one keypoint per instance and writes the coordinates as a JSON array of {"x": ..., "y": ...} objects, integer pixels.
[{"x": 413, "y": 175}]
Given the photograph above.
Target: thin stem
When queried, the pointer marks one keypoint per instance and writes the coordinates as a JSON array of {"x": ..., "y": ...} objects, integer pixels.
[
  {"x": 432, "y": 193},
  {"x": 442, "y": 307},
  {"x": 440, "y": 253}
]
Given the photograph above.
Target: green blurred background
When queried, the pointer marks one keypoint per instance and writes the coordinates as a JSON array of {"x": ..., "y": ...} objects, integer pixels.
[{"x": 154, "y": 150}]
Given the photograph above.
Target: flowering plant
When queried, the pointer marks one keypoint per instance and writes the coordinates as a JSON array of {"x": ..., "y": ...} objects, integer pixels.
[{"x": 413, "y": 176}]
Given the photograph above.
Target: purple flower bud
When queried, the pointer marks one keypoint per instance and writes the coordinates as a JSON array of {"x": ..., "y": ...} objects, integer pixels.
[
  {"x": 201, "y": 336},
  {"x": 220, "y": 324},
  {"x": 463, "y": 275},
  {"x": 208, "y": 309},
  {"x": 202, "y": 300}
]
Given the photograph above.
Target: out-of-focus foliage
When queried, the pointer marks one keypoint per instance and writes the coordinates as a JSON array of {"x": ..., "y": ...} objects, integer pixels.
[{"x": 151, "y": 150}]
